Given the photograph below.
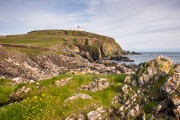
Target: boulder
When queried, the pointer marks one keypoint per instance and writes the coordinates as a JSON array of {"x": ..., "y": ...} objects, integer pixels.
[
  {"x": 133, "y": 113},
  {"x": 19, "y": 94},
  {"x": 88, "y": 56},
  {"x": 78, "y": 95},
  {"x": 99, "y": 114},
  {"x": 125, "y": 70},
  {"x": 62, "y": 82},
  {"x": 141, "y": 80},
  {"x": 126, "y": 89},
  {"x": 18, "y": 80},
  {"x": 134, "y": 83},
  {"x": 122, "y": 58},
  {"x": 96, "y": 85},
  {"x": 127, "y": 79}
]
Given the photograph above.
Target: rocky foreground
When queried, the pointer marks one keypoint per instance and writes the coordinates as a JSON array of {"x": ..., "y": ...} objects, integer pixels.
[
  {"x": 153, "y": 92},
  {"x": 149, "y": 91}
]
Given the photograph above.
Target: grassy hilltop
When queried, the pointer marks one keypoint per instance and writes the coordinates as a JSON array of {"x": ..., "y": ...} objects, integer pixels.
[{"x": 45, "y": 39}]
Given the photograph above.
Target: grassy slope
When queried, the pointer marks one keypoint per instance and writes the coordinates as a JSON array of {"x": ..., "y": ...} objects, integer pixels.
[
  {"x": 46, "y": 101},
  {"x": 43, "y": 41},
  {"x": 35, "y": 39}
]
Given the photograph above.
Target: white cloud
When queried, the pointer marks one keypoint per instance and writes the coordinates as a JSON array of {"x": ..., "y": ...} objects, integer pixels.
[
  {"x": 139, "y": 24},
  {"x": 135, "y": 24}
]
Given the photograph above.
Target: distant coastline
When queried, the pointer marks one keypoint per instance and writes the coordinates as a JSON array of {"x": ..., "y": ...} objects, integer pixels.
[{"x": 146, "y": 56}]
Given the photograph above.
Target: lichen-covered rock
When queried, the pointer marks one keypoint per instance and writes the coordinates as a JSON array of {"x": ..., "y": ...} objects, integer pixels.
[
  {"x": 141, "y": 92},
  {"x": 173, "y": 82},
  {"x": 126, "y": 89},
  {"x": 164, "y": 64},
  {"x": 78, "y": 95},
  {"x": 127, "y": 79},
  {"x": 152, "y": 70},
  {"x": 125, "y": 70},
  {"x": 96, "y": 85},
  {"x": 133, "y": 113},
  {"x": 99, "y": 114},
  {"x": 171, "y": 90},
  {"x": 19, "y": 94},
  {"x": 62, "y": 82}
]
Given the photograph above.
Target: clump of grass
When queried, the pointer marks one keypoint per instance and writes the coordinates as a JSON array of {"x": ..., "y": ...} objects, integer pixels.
[
  {"x": 155, "y": 89},
  {"x": 149, "y": 106}
]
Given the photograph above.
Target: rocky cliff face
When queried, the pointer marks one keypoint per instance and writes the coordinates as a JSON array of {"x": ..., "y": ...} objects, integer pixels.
[{"x": 21, "y": 67}]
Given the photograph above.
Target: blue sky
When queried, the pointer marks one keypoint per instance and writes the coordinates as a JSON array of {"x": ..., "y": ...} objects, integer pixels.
[{"x": 140, "y": 25}]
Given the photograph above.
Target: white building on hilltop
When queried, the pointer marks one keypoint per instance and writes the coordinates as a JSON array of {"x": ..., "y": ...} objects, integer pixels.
[{"x": 77, "y": 29}]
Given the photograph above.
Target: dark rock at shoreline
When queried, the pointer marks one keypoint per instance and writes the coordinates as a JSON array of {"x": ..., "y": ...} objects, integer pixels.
[
  {"x": 122, "y": 58},
  {"x": 130, "y": 53}
]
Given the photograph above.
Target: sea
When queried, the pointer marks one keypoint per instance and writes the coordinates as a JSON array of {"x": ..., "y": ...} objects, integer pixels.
[{"x": 146, "y": 56}]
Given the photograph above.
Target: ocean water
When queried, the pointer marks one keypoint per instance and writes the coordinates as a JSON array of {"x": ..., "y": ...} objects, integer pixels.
[{"x": 146, "y": 56}]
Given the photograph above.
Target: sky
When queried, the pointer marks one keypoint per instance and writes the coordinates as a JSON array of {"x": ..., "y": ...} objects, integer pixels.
[{"x": 137, "y": 25}]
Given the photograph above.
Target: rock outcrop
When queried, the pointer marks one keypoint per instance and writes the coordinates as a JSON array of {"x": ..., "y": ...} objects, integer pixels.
[
  {"x": 130, "y": 53},
  {"x": 63, "y": 82},
  {"x": 20, "y": 67},
  {"x": 171, "y": 95},
  {"x": 78, "y": 95},
  {"x": 153, "y": 69},
  {"x": 23, "y": 68},
  {"x": 19, "y": 94},
  {"x": 99, "y": 114},
  {"x": 96, "y": 85},
  {"x": 152, "y": 92}
]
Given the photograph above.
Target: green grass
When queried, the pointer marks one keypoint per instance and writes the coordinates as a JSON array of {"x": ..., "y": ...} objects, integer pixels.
[
  {"x": 31, "y": 52},
  {"x": 37, "y": 41},
  {"x": 46, "y": 101}
]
